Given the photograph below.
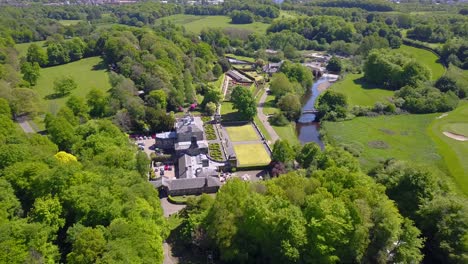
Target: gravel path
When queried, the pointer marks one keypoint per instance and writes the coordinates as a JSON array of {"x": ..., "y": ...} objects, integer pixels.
[
  {"x": 24, "y": 124},
  {"x": 264, "y": 119}
]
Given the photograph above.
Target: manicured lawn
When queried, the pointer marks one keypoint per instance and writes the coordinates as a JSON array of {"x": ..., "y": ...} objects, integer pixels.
[
  {"x": 195, "y": 24},
  {"x": 454, "y": 152},
  {"x": 228, "y": 113},
  {"x": 252, "y": 155},
  {"x": 22, "y": 48},
  {"x": 360, "y": 93},
  {"x": 242, "y": 133},
  {"x": 402, "y": 137},
  {"x": 427, "y": 58},
  {"x": 87, "y": 73},
  {"x": 287, "y": 133},
  {"x": 69, "y": 22}
]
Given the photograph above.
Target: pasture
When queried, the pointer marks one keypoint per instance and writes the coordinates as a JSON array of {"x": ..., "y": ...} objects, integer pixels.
[
  {"x": 427, "y": 58},
  {"x": 196, "y": 24},
  {"x": 242, "y": 133},
  {"x": 88, "y": 73},
  {"x": 252, "y": 155},
  {"x": 360, "y": 93}
]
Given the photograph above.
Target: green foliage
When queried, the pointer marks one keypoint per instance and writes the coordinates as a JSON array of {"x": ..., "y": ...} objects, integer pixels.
[
  {"x": 334, "y": 64},
  {"x": 332, "y": 106},
  {"x": 31, "y": 72},
  {"x": 215, "y": 151},
  {"x": 323, "y": 217},
  {"x": 426, "y": 99},
  {"x": 298, "y": 73},
  {"x": 64, "y": 85},
  {"x": 142, "y": 164},
  {"x": 291, "y": 106},
  {"x": 242, "y": 17},
  {"x": 157, "y": 99},
  {"x": 244, "y": 102},
  {"x": 281, "y": 85},
  {"x": 210, "y": 132},
  {"x": 283, "y": 152},
  {"x": 36, "y": 54}
]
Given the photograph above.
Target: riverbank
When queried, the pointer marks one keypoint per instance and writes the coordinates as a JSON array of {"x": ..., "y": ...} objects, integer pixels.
[{"x": 323, "y": 86}]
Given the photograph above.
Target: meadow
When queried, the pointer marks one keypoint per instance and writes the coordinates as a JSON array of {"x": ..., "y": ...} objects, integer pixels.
[
  {"x": 414, "y": 138},
  {"x": 360, "y": 93},
  {"x": 427, "y": 58},
  {"x": 88, "y": 73},
  {"x": 195, "y": 24}
]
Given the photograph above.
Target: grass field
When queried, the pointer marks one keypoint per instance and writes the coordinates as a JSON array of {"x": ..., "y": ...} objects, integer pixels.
[
  {"x": 242, "y": 58},
  {"x": 402, "y": 137},
  {"x": 22, "y": 48},
  {"x": 269, "y": 107},
  {"x": 195, "y": 24},
  {"x": 252, "y": 155},
  {"x": 287, "y": 133},
  {"x": 87, "y": 73},
  {"x": 242, "y": 133},
  {"x": 359, "y": 93},
  {"x": 427, "y": 58},
  {"x": 69, "y": 22},
  {"x": 454, "y": 152}
]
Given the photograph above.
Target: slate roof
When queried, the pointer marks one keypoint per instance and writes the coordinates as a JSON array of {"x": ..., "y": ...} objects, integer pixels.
[
  {"x": 193, "y": 183},
  {"x": 189, "y": 124}
]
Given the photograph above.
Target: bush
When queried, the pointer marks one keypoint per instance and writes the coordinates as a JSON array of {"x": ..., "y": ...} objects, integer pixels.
[
  {"x": 179, "y": 199},
  {"x": 215, "y": 151},
  {"x": 278, "y": 119},
  {"x": 210, "y": 132}
]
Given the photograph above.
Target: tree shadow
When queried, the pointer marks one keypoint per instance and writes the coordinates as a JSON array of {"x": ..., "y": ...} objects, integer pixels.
[
  {"x": 54, "y": 96},
  {"x": 366, "y": 85},
  {"x": 186, "y": 253},
  {"x": 100, "y": 66},
  {"x": 234, "y": 116}
]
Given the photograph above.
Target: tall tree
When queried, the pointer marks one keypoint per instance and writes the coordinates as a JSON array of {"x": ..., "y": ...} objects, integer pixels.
[
  {"x": 243, "y": 100},
  {"x": 36, "y": 54},
  {"x": 31, "y": 72}
]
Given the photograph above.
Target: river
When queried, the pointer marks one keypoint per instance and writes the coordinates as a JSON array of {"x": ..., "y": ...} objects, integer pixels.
[{"x": 306, "y": 128}]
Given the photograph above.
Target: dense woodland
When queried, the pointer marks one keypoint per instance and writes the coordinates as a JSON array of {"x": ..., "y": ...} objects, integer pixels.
[{"x": 80, "y": 194}]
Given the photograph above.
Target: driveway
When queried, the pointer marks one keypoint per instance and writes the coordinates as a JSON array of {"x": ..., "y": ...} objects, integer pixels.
[
  {"x": 24, "y": 124},
  {"x": 264, "y": 118},
  {"x": 169, "y": 208}
]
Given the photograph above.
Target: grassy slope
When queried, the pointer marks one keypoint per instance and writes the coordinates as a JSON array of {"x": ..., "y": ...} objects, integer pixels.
[
  {"x": 358, "y": 93},
  {"x": 427, "y": 58},
  {"x": 81, "y": 71},
  {"x": 196, "y": 23},
  {"x": 23, "y": 47},
  {"x": 454, "y": 152}
]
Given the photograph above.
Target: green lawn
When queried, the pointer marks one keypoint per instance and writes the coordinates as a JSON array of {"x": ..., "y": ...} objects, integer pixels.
[
  {"x": 269, "y": 107},
  {"x": 69, "y": 22},
  {"x": 454, "y": 152},
  {"x": 242, "y": 133},
  {"x": 427, "y": 58},
  {"x": 287, "y": 133},
  {"x": 87, "y": 73},
  {"x": 242, "y": 58},
  {"x": 195, "y": 24},
  {"x": 22, "y": 48},
  {"x": 360, "y": 93},
  {"x": 252, "y": 155}
]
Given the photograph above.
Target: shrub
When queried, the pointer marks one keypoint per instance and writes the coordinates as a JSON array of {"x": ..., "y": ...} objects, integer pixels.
[{"x": 278, "y": 119}]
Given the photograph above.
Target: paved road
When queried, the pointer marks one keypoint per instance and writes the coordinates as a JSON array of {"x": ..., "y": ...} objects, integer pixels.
[
  {"x": 264, "y": 119},
  {"x": 168, "y": 258},
  {"x": 24, "y": 124},
  {"x": 169, "y": 208}
]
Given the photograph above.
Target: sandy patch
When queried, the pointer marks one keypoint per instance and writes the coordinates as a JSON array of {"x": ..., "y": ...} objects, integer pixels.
[
  {"x": 323, "y": 86},
  {"x": 455, "y": 136},
  {"x": 442, "y": 116}
]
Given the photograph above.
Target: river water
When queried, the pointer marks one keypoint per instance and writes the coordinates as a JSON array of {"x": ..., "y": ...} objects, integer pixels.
[{"x": 306, "y": 128}]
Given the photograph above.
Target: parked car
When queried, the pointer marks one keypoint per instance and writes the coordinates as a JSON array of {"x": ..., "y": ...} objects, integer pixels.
[
  {"x": 161, "y": 173},
  {"x": 166, "y": 167}
]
